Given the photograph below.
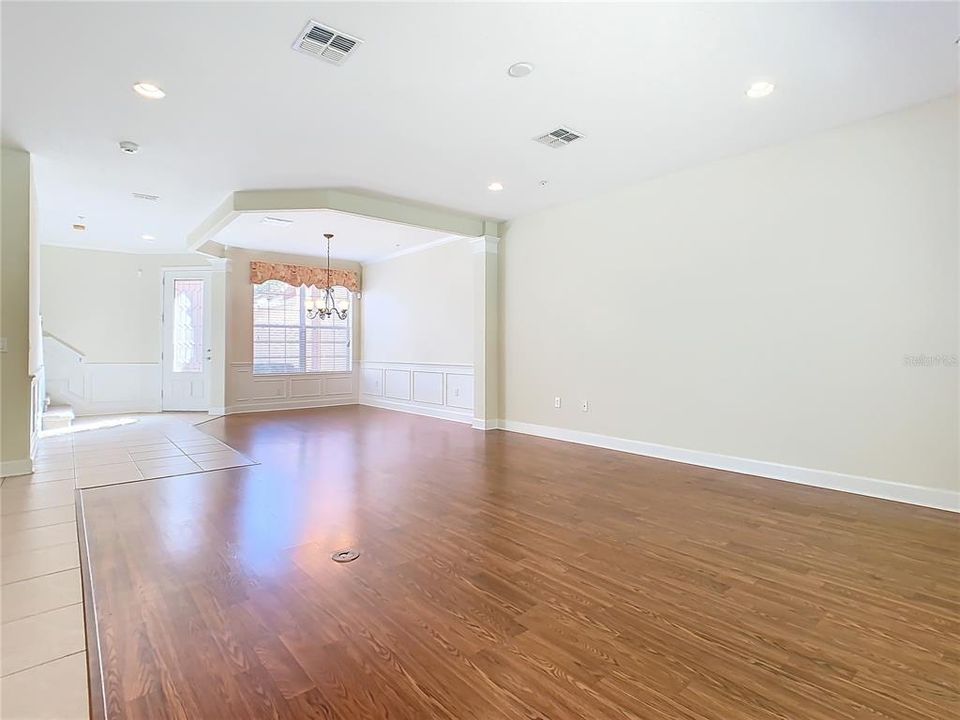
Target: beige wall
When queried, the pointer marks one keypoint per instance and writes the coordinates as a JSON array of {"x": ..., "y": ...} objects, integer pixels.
[
  {"x": 418, "y": 308},
  {"x": 15, "y": 406},
  {"x": 759, "y": 307},
  {"x": 106, "y": 304}
]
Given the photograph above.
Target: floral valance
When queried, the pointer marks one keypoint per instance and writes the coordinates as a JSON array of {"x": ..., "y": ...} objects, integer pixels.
[{"x": 297, "y": 275}]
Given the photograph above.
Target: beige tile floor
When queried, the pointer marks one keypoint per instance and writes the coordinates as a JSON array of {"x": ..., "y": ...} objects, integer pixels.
[{"x": 43, "y": 650}]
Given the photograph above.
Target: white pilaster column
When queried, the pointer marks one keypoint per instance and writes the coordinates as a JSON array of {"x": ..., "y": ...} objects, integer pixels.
[{"x": 486, "y": 332}]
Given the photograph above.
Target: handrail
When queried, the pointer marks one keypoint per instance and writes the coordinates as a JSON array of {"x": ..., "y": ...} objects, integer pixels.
[{"x": 64, "y": 343}]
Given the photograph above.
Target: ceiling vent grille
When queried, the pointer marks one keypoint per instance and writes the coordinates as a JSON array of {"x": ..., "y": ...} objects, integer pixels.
[
  {"x": 561, "y": 137},
  {"x": 325, "y": 43},
  {"x": 145, "y": 196}
]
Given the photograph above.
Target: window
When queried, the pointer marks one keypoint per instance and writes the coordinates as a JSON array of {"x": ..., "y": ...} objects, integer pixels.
[
  {"x": 285, "y": 340},
  {"x": 187, "y": 326}
]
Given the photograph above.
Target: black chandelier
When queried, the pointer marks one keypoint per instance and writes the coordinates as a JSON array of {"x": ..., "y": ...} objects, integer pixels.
[{"x": 326, "y": 307}]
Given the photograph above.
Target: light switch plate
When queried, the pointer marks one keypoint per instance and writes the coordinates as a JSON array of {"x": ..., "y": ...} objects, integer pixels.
[{"x": 3, "y": 344}]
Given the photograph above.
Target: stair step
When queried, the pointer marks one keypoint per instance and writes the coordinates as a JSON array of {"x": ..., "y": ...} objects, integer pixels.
[{"x": 57, "y": 416}]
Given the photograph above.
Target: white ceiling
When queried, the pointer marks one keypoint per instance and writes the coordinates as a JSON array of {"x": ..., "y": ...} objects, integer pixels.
[
  {"x": 424, "y": 108},
  {"x": 355, "y": 238}
]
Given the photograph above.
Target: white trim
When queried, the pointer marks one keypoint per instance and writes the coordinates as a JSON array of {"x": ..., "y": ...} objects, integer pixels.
[
  {"x": 415, "y": 249},
  {"x": 95, "y": 388},
  {"x": 154, "y": 249},
  {"x": 415, "y": 365},
  {"x": 407, "y": 407},
  {"x": 8, "y": 468},
  {"x": 192, "y": 268},
  {"x": 872, "y": 487},
  {"x": 169, "y": 400},
  {"x": 444, "y": 390},
  {"x": 286, "y": 405},
  {"x": 481, "y": 424},
  {"x": 217, "y": 411},
  {"x": 93, "y": 602},
  {"x": 255, "y": 393},
  {"x": 487, "y": 244}
]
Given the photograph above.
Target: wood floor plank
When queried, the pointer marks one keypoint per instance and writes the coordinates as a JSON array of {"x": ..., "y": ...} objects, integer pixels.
[{"x": 508, "y": 576}]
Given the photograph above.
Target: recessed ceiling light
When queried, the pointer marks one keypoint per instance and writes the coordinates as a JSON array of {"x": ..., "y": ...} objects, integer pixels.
[
  {"x": 520, "y": 69},
  {"x": 148, "y": 238},
  {"x": 149, "y": 90},
  {"x": 279, "y": 222},
  {"x": 495, "y": 187},
  {"x": 129, "y": 147},
  {"x": 760, "y": 89}
]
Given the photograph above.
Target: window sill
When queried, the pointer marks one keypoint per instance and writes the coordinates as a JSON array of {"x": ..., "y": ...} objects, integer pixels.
[{"x": 325, "y": 373}]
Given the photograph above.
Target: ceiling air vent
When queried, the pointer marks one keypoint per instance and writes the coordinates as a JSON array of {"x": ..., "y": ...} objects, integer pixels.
[
  {"x": 325, "y": 43},
  {"x": 145, "y": 196},
  {"x": 559, "y": 138}
]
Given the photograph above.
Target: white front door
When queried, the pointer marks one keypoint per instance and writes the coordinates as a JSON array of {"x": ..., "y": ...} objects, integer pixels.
[{"x": 186, "y": 340}]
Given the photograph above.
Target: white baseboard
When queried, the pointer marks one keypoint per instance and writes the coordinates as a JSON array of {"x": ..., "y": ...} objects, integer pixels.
[
  {"x": 407, "y": 407},
  {"x": 217, "y": 411},
  {"x": 252, "y": 407},
  {"x": 9, "y": 468},
  {"x": 871, "y": 487},
  {"x": 481, "y": 424}
]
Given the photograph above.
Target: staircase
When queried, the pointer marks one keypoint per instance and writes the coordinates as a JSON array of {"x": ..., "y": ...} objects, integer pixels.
[{"x": 56, "y": 416}]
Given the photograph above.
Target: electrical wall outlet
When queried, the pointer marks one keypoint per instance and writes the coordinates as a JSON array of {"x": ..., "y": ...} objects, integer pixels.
[
  {"x": 586, "y": 406},
  {"x": 556, "y": 401}
]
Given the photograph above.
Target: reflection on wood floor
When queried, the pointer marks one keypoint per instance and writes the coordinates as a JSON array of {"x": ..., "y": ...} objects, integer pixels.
[{"x": 506, "y": 576}]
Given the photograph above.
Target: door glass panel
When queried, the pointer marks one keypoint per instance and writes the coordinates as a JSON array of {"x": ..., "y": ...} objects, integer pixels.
[{"x": 187, "y": 326}]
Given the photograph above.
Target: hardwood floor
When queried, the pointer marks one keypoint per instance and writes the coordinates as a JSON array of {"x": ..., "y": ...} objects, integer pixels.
[{"x": 506, "y": 576}]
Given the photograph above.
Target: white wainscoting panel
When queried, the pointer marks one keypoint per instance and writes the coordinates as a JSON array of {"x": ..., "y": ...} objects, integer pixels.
[
  {"x": 371, "y": 381},
  {"x": 396, "y": 383},
  {"x": 442, "y": 391},
  {"x": 336, "y": 386},
  {"x": 460, "y": 391},
  {"x": 306, "y": 387},
  {"x": 98, "y": 388},
  {"x": 428, "y": 387},
  {"x": 248, "y": 392}
]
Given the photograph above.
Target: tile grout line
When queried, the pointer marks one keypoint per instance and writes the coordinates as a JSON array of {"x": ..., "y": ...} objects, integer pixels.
[
  {"x": 46, "y": 574},
  {"x": 23, "y": 512},
  {"x": 6, "y": 533},
  {"x": 33, "y": 615},
  {"x": 46, "y": 662}
]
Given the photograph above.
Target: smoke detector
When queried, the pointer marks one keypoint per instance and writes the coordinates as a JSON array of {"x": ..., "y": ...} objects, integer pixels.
[
  {"x": 322, "y": 41},
  {"x": 561, "y": 137},
  {"x": 129, "y": 147}
]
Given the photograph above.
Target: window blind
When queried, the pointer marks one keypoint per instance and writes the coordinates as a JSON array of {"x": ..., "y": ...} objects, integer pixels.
[{"x": 286, "y": 341}]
